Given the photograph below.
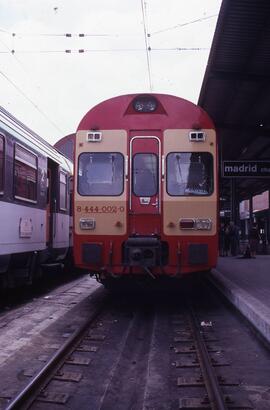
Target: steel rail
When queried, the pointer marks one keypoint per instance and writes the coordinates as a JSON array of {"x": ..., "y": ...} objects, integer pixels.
[
  {"x": 215, "y": 394},
  {"x": 28, "y": 395}
]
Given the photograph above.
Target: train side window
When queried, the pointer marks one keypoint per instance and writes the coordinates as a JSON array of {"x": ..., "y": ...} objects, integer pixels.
[
  {"x": 145, "y": 174},
  {"x": 101, "y": 174},
  {"x": 2, "y": 148},
  {"x": 189, "y": 173},
  {"x": 25, "y": 174},
  {"x": 63, "y": 191}
]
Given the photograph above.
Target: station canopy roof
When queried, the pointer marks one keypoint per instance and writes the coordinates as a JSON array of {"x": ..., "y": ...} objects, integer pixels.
[{"x": 236, "y": 87}]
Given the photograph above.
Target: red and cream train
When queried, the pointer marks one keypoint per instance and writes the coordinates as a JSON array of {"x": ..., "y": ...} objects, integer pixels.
[{"x": 145, "y": 188}]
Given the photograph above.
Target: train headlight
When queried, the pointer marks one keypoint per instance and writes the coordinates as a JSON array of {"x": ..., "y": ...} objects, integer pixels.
[
  {"x": 87, "y": 224},
  {"x": 203, "y": 224},
  {"x": 145, "y": 104},
  {"x": 195, "y": 224}
]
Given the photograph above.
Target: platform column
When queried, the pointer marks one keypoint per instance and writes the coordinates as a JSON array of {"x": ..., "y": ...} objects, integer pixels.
[{"x": 234, "y": 203}]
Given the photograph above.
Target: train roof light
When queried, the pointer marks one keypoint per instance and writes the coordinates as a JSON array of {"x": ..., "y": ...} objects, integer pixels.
[{"x": 145, "y": 104}]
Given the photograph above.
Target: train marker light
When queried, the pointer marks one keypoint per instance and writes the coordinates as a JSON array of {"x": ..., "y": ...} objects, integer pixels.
[
  {"x": 187, "y": 223},
  {"x": 197, "y": 136},
  {"x": 94, "y": 136},
  {"x": 204, "y": 224},
  {"x": 87, "y": 224}
]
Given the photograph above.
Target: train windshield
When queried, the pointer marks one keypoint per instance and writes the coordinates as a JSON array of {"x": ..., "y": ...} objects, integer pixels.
[
  {"x": 145, "y": 174},
  {"x": 101, "y": 173},
  {"x": 189, "y": 173}
]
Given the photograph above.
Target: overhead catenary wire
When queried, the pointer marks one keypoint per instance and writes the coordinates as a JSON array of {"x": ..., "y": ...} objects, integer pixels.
[
  {"x": 12, "y": 52},
  {"x": 105, "y": 50},
  {"x": 30, "y": 101},
  {"x": 22, "y": 92},
  {"x": 81, "y": 34},
  {"x": 68, "y": 35},
  {"x": 184, "y": 24},
  {"x": 147, "y": 47}
]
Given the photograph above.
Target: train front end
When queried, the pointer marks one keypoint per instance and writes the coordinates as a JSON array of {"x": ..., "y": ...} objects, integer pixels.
[{"x": 145, "y": 188}]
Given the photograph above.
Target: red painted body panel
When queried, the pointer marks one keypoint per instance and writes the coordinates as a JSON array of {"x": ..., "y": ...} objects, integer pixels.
[
  {"x": 114, "y": 114},
  {"x": 171, "y": 269}
]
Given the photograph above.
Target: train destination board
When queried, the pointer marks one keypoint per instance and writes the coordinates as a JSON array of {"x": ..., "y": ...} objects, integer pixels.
[{"x": 247, "y": 169}]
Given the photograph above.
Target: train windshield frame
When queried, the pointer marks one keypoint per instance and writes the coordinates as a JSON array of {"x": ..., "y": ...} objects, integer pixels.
[
  {"x": 100, "y": 174},
  {"x": 145, "y": 174},
  {"x": 190, "y": 174}
]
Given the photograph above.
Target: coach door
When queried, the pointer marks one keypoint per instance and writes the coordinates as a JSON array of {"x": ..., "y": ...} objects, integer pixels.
[
  {"x": 145, "y": 175},
  {"x": 48, "y": 208}
]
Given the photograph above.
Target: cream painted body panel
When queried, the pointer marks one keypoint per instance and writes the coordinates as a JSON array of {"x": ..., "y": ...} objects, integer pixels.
[
  {"x": 109, "y": 212},
  {"x": 176, "y": 207}
]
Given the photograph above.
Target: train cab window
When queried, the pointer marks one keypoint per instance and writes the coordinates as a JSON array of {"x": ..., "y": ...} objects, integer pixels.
[
  {"x": 145, "y": 174},
  {"x": 1, "y": 164},
  {"x": 189, "y": 173},
  {"x": 25, "y": 174},
  {"x": 101, "y": 173},
  {"x": 63, "y": 191}
]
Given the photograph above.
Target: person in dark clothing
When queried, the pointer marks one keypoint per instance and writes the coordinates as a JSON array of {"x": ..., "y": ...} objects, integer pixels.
[
  {"x": 254, "y": 238},
  {"x": 234, "y": 237},
  {"x": 222, "y": 240},
  {"x": 227, "y": 240}
]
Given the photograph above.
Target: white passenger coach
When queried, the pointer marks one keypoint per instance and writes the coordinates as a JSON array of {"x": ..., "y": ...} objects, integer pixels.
[{"x": 34, "y": 203}]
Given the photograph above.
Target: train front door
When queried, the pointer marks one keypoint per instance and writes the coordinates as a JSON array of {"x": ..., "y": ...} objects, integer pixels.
[{"x": 145, "y": 175}]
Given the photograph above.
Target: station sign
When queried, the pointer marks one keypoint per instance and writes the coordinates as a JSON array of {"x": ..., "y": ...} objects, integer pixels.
[{"x": 246, "y": 169}]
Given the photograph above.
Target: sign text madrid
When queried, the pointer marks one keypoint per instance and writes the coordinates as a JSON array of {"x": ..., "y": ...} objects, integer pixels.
[{"x": 247, "y": 169}]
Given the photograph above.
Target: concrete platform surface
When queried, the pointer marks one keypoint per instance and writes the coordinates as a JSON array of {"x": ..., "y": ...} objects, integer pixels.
[{"x": 246, "y": 284}]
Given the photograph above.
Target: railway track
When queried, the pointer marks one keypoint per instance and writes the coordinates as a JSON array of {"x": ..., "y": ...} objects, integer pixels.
[
  {"x": 52, "y": 369},
  {"x": 139, "y": 354},
  {"x": 199, "y": 342}
]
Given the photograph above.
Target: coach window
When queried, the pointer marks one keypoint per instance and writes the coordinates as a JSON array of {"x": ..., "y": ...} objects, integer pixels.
[
  {"x": 189, "y": 173},
  {"x": 1, "y": 164},
  {"x": 25, "y": 175},
  {"x": 63, "y": 191},
  {"x": 101, "y": 173},
  {"x": 145, "y": 174}
]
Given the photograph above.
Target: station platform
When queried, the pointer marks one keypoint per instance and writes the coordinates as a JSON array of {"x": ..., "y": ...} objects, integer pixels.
[{"x": 246, "y": 284}]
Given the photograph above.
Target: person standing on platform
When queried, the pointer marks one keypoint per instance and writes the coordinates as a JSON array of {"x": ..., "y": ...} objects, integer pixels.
[
  {"x": 254, "y": 238},
  {"x": 222, "y": 239},
  {"x": 234, "y": 237},
  {"x": 227, "y": 240}
]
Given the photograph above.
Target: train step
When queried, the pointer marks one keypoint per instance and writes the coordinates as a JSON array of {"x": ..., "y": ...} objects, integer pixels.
[{"x": 52, "y": 266}]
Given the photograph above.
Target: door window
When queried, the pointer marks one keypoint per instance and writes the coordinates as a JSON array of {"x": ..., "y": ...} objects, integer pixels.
[
  {"x": 63, "y": 191},
  {"x": 145, "y": 175}
]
